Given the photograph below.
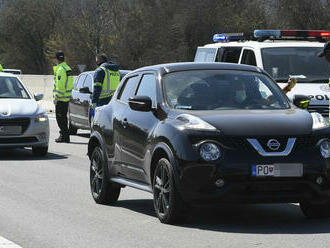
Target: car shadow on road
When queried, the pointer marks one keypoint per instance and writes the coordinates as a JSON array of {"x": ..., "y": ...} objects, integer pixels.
[
  {"x": 26, "y": 154},
  {"x": 144, "y": 206},
  {"x": 249, "y": 219}
]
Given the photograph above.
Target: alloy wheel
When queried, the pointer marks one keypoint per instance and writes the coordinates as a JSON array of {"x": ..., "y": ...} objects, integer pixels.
[
  {"x": 162, "y": 190},
  {"x": 96, "y": 174}
]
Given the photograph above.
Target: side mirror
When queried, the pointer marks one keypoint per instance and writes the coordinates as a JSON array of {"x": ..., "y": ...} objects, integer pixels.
[
  {"x": 301, "y": 101},
  {"x": 140, "y": 103},
  {"x": 85, "y": 90},
  {"x": 38, "y": 97}
]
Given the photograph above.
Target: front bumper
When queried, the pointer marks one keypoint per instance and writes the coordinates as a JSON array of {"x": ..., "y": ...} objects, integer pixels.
[
  {"x": 36, "y": 134},
  {"x": 197, "y": 180}
]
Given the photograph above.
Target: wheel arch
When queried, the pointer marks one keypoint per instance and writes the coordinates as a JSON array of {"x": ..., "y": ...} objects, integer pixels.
[{"x": 95, "y": 140}]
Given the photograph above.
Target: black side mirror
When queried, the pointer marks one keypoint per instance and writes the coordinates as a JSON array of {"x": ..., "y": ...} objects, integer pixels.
[
  {"x": 301, "y": 101},
  {"x": 85, "y": 90},
  {"x": 140, "y": 103}
]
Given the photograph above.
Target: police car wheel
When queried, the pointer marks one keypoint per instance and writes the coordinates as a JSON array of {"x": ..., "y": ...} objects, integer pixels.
[
  {"x": 39, "y": 150},
  {"x": 315, "y": 210},
  {"x": 103, "y": 191},
  {"x": 72, "y": 130}
]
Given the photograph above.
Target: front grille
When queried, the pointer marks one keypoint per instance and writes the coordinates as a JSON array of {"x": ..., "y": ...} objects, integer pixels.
[
  {"x": 241, "y": 143},
  {"x": 22, "y": 122},
  {"x": 18, "y": 140},
  {"x": 322, "y": 109}
]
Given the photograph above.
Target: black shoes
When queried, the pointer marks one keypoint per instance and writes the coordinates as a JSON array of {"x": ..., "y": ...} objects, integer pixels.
[{"x": 63, "y": 139}]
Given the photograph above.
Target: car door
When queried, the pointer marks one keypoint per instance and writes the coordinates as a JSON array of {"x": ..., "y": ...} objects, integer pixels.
[
  {"x": 118, "y": 108},
  {"x": 74, "y": 105},
  {"x": 139, "y": 126},
  {"x": 85, "y": 100}
]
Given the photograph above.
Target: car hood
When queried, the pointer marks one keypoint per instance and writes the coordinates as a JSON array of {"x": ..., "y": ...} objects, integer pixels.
[
  {"x": 259, "y": 122},
  {"x": 18, "y": 107}
]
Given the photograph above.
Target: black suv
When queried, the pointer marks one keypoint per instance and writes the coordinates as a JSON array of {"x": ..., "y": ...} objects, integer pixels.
[
  {"x": 79, "y": 106},
  {"x": 206, "y": 133}
]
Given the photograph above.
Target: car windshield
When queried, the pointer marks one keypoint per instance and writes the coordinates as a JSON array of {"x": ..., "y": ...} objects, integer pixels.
[
  {"x": 222, "y": 90},
  {"x": 11, "y": 87},
  {"x": 303, "y": 62}
]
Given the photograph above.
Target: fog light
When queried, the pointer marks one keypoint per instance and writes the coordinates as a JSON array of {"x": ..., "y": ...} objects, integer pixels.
[
  {"x": 219, "y": 183},
  {"x": 325, "y": 148},
  {"x": 319, "y": 180},
  {"x": 209, "y": 152}
]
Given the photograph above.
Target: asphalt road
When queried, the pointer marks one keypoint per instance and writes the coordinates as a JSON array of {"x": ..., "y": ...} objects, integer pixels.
[{"x": 47, "y": 203}]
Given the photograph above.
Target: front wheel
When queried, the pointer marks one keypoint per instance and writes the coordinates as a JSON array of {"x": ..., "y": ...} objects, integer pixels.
[
  {"x": 39, "y": 150},
  {"x": 315, "y": 210},
  {"x": 103, "y": 191},
  {"x": 167, "y": 201}
]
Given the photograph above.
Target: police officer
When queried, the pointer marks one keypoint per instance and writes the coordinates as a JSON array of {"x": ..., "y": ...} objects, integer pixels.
[
  {"x": 1, "y": 69},
  {"x": 62, "y": 93},
  {"x": 106, "y": 80}
]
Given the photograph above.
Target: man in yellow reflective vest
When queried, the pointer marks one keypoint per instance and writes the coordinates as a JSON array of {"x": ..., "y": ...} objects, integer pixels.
[
  {"x": 1, "y": 68},
  {"x": 62, "y": 93},
  {"x": 326, "y": 54},
  {"x": 106, "y": 80}
]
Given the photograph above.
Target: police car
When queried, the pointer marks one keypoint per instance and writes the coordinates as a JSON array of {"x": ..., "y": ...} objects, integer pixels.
[{"x": 283, "y": 54}]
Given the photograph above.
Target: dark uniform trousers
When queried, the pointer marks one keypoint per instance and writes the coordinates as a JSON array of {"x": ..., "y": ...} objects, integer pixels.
[{"x": 61, "y": 110}]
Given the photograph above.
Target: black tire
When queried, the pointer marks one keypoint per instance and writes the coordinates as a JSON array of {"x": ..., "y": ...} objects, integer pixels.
[
  {"x": 168, "y": 204},
  {"x": 315, "y": 210},
  {"x": 103, "y": 191},
  {"x": 39, "y": 150},
  {"x": 72, "y": 130}
]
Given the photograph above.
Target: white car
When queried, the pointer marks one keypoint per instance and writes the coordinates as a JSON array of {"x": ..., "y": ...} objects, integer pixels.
[
  {"x": 282, "y": 54},
  {"x": 23, "y": 123}
]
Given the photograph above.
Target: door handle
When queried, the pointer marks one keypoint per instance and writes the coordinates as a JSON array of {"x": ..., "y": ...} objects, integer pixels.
[{"x": 125, "y": 123}]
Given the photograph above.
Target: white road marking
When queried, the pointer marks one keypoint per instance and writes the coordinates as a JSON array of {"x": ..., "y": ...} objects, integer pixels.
[{"x": 4, "y": 243}]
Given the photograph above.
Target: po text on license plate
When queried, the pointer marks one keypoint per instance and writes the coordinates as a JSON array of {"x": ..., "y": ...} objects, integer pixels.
[{"x": 278, "y": 170}]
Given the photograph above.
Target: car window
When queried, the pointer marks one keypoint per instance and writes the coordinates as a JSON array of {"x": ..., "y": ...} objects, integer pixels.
[
  {"x": 248, "y": 58},
  {"x": 79, "y": 82},
  {"x": 222, "y": 90},
  {"x": 230, "y": 54},
  {"x": 204, "y": 54},
  {"x": 89, "y": 83},
  {"x": 128, "y": 90},
  {"x": 11, "y": 87},
  {"x": 147, "y": 87}
]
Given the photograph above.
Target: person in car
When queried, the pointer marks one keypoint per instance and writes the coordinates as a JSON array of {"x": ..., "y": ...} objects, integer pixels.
[{"x": 106, "y": 80}]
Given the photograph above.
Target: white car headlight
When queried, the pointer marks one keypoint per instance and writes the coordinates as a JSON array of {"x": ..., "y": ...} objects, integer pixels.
[
  {"x": 325, "y": 148},
  {"x": 209, "y": 151},
  {"x": 41, "y": 118},
  {"x": 318, "y": 121},
  {"x": 193, "y": 122}
]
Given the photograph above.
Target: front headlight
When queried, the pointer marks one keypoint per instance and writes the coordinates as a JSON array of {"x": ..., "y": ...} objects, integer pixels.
[
  {"x": 193, "y": 122},
  {"x": 41, "y": 118},
  {"x": 318, "y": 121},
  {"x": 209, "y": 151},
  {"x": 325, "y": 148}
]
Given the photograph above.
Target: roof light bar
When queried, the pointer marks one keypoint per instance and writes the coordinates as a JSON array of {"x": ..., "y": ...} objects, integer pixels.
[
  {"x": 228, "y": 37},
  {"x": 292, "y": 33}
]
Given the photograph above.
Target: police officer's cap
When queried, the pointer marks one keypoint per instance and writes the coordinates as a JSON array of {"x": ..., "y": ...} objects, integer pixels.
[
  {"x": 59, "y": 55},
  {"x": 325, "y": 48}
]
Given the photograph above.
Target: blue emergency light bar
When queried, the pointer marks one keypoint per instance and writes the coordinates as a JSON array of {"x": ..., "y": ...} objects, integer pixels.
[{"x": 228, "y": 37}]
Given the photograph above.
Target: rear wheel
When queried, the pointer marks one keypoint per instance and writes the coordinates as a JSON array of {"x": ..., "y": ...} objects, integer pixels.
[
  {"x": 103, "y": 191},
  {"x": 72, "y": 130},
  {"x": 39, "y": 150},
  {"x": 315, "y": 210},
  {"x": 167, "y": 201}
]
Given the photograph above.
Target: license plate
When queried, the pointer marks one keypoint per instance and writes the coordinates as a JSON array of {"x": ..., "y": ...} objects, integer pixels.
[
  {"x": 277, "y": 170},
  {"x": 10, "y": 130}
]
